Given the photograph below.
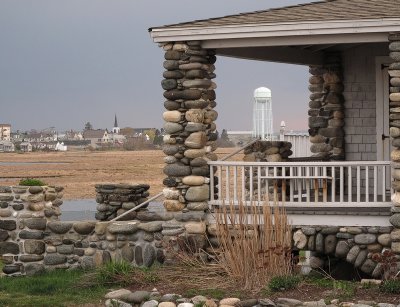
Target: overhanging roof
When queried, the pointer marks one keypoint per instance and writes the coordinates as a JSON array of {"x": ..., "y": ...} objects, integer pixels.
[{"x": 363, "y": 20}]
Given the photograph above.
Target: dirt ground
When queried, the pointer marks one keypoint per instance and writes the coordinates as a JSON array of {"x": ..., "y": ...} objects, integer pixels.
[{"x": 79, "y": 171}]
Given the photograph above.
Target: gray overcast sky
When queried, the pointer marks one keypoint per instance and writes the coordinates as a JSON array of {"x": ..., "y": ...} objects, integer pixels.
[{"x": 66, "y": 62}]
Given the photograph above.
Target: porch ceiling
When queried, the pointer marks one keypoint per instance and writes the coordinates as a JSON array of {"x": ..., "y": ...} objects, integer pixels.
[{"x": 301, "y": 54}]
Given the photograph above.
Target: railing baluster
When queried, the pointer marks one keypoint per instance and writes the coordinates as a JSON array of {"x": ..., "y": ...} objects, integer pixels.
[
  {"x": 350, "y": 183},
  {"x": 243, "y": 184},
  {"x": 367, "y": 184},
  {"x": 308, "y": 184},
  {"x": 259, "y": 183},
  {"x": 383, "y": 183},
  {"x": 235, "y": 196},
  {"x": 267, "y": 183},
  {"x": 291, "y": 184},
  {"x": 358, "y": 180},
  {"x": 341, "y": 181},
  {"x": 333, "y": 184},
  {"x": 251, "y": 183},
  {"x": 324, "y": 185},
  {"x": 299, "y": 184},
  {"x": 212, "y": 187},
  {"x": 219, "y": 170},
  {"x": 228, "y": 183},
  {"x": 375, "y": 183}
]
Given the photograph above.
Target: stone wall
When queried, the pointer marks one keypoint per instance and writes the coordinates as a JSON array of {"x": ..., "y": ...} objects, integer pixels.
[
  {"x": 189, "y": 124},
  {"x": 32, "y": 239},
  {"x": 356, "y": 245},
  {"x": 326, "y": 116},
  {"x": 115, "y": 199},
  {"x": 394, "y": 104}
]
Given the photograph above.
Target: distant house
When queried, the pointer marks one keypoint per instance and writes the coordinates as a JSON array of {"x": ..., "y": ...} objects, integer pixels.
[
  {"x": 26, "y": 147},
  {"x": 6, "y": 146},
  {"x": 5, "y": 132},
  {"x": 97, "y": 137}
]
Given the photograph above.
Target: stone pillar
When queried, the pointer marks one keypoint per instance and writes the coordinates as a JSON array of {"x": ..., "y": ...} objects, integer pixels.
[
  {"x": 394, "y": 73},
  {"x": 326, "y": 109},
  {"x": 190, "y": 137}
]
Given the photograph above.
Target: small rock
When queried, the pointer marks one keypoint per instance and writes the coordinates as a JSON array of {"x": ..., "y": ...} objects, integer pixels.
[
  {"x": 263, "y": 302},
  {"x": 137, "y": 297},
  {"x": 118, "y": 294},
  {"x": 288, "y": 301},
  {"x": 115, "y": 302},
  {"x": 152, "y": 303},
  {"x": 229, "y": 301},
  {"x": 167, "y": 304},
  {"x": 198, "y": 299}
]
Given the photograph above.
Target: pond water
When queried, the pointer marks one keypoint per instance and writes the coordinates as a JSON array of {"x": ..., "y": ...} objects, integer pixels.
[{"x": 85, "y": 209}]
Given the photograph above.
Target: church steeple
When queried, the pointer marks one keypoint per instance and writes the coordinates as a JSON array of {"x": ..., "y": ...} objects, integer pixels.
[
  {"x": 116, "y": 128},
  {"x": 115, "y": 121}
]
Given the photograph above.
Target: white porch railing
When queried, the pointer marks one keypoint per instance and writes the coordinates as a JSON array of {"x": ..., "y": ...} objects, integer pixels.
[{"x": 302, "y": 183}]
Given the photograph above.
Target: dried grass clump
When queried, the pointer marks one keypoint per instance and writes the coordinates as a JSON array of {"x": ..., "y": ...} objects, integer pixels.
[{"x": 255, "y": 243}]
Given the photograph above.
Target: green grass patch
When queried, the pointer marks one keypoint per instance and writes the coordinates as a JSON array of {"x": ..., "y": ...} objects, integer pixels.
[
  {"x": 285, "y": 282},
  {"x": 390, "y": 286},
  {"x": 31, "y": 182},
  {"x": 56, "y": 288}
]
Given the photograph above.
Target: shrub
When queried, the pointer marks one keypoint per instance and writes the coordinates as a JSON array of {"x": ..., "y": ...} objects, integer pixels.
[
  {"x": 31, "y": 182},
  {"x": 391, "y": 286},
  {"x": 285, "y": 282},
  {"x": 255, "y": 243},
  {"x": 114, "y": 272}
]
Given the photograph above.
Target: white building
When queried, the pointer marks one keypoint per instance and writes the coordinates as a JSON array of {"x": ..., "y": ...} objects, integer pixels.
[{"x": 5, "y": 132}]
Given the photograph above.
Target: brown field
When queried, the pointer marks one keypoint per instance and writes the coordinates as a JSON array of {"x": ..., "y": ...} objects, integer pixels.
[{"x": 79, "y": 171}]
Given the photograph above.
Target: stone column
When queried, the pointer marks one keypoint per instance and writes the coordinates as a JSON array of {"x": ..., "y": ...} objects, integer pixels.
[
  {"x": 189, "y": 142},
  {"x": 326, "y": 108},
  {"x": 394, "y": 73}
]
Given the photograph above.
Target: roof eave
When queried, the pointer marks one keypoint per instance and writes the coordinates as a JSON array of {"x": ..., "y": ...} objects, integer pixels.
[{"x": 275, "y": 30}]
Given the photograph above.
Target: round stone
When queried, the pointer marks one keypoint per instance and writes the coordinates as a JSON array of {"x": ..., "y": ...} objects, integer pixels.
[
  {"x": 171, "y": 128},
  {"x": 196, "y": 104},
  {"x": 173, "y": 74},
  {"x": 188, "y": 94},
  {"x": 211, "y": 116},
  {"x": 169, "y": 84},
  {"x": 172, "y": 105},
  {"x": 177, "y": 170},
  {"x": 25, "y": 234},
  {"x": 394, "y": 46},
  {"x": 395, "y": 81},
  {"x": 198, "y": 193},
  {"x": 315, "y": 80},
  {"x": 196, "y": 140},
  {"x": 172, "y": 55},
  {"x": 394, "y": 73},
  {"x": 35, "y": 189},
  {"x": 173, "y": 205},
  {"x": 352, "y": 254},
  {"x": 36, "y": 223},
  {"x": 342, "y": 248},
  {"x": 195, "y": 115},
  {"x": 395, "y": 55},
  {"x": 330, "y": 244},
  {"x": 8, "y": 224},
  {"x": 172, "y": 116},
  {"x": 34, "y": 247},
  {"x": 395, "y": 220},
  {"x": 197, "y": 206},
  {"x": 320, "y": 147},
  {"x": 197, "y": 83},
  {"x": 128, "y": 227},
  {"x": 36, "y": 206},
  {"x": 171, "y": 64},
  {"x": 170, "y": 182},
  {"x": 84, "y": 227},
  {"x": 365, "y": 238},
  {"x": 194, "y": 153},
  {"x": 137, "y": 297},
  {"x": 300, "y": 239},
  {"x": 195, "y": 127},
  {"x": 191, "y": 66},
  {"x": 59, "y": 227},
  {"x": 9, "y": 248},
  {"x": 170, "y": 150},
  {"x": 316, "y": 263},
  {"x": 394, "y": 97},
  {"x": 195, "y": 227},
  {"x": 362, "y": 255},
  {"x": 331, "y": 77},
  {"x": 196, "y": 74},
  {"x": 193, "y": 180},
  {"x": 317, "y": 122}
]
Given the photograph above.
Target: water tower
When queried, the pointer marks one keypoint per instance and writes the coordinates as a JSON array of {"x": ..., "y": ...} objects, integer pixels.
[{"x": 262, "y": 114}]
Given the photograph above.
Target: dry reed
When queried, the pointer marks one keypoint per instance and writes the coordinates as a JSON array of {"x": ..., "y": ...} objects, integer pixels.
[{"x": 255, "y": 243}]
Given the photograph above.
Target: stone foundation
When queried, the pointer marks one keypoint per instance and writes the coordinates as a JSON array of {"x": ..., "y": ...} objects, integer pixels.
[
  {"x": 189, "y": 124},
  {"x": 115, "y": 199},
  {"x": 326, "y": 109},
  {"x": 356, "y": 245}
]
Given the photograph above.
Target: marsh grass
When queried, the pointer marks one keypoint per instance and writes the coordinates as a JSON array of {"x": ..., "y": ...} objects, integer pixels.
[
  {"x": 255, "y": 243},
  {"x": 56, "y": 288}
]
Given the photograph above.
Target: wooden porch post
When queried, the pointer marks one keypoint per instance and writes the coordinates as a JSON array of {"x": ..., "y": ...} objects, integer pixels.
[{"x": 394, "y": 74}]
